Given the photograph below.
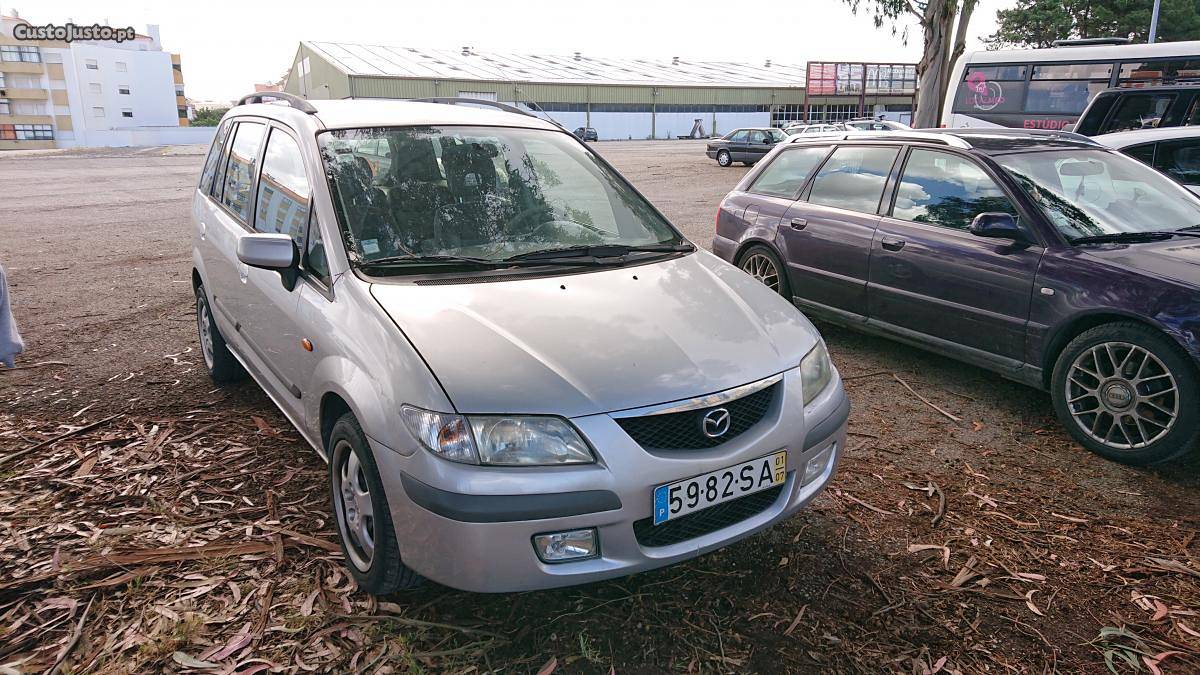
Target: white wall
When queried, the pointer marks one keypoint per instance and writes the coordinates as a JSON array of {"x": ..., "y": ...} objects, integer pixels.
[
  {"x": 727, "y": 122},
  {"x": 142, "y": 136}
]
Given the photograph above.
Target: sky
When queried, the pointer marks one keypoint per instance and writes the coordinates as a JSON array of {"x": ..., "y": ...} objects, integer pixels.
[{"x": 226, "y": 46}]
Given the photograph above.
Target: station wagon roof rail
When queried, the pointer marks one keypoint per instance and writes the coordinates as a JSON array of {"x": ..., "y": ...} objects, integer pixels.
[
  {"x": 460, "y": 100},
  {"x": 274, "y": 96}
]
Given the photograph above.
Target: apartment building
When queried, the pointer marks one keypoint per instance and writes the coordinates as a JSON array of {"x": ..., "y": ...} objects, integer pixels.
[{"x": 89, "y": 93}]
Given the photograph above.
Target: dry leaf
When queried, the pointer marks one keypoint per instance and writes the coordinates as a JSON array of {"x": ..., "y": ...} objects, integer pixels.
[{"x": 548, "y": 667}]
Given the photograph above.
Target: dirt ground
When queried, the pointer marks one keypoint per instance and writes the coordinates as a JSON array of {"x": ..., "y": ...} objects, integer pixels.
[{"x": 152, "y": 522}]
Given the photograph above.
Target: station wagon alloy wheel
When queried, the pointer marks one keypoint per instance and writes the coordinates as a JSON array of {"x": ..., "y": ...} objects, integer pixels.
[
  {"x": 355, "y": 511},
  {"x": 761, "y": 267},
  {"x": 1122, "y": 395}
]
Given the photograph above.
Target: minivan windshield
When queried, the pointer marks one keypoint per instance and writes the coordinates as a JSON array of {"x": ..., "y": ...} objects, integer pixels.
[
  {"x": 484, "y": 193},
  {"x": 1089, "y": 193}
]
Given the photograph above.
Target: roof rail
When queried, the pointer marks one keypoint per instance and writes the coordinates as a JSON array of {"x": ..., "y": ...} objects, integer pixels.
[
  {"x": 924, "y": 136},
  {"x": 456, "y": 100},
  {"x": 267, "y": 96},
  {"x": 1091, "y": 42}
]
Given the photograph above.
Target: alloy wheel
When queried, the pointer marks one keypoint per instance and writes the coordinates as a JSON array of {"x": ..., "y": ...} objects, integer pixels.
[
  {"x": 355, "y": 510},
  {"x": 204, "y": 324},
  {"x": 1122, "y": 395},
  {"x": 761, "y": 267}
]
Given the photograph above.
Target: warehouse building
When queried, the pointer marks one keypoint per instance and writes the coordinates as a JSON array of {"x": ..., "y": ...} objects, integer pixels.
[{"x": 619, "y": 98}]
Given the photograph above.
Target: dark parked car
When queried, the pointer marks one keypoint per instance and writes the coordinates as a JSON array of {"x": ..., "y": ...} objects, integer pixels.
[
  {"x": 744, "y": 145},
  {"x": 586, "y": 134},
  {"x": 1130, "y": 108},
  {"x": 1043, "y": 256}
]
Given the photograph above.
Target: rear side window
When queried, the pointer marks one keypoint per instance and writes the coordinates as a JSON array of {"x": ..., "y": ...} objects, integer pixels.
[
  {"x": 239, "y": 170},
  {"x": 853, "y": 178},
  {"x": 214, "y": 154},
  {"x": 283, "y": 189},
  {"x": 787, "y": 173},
  {"x": 1138, "y": 111},
  {"x": 1142, "y": 153},
  {"x": 1180, "y": 160},
  {"x": 947, "y": 190},
  {"x": 737, "y": 136}
]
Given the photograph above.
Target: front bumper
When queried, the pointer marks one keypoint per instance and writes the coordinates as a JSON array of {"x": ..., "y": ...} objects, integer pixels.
[{"x": 471, "y": 527}]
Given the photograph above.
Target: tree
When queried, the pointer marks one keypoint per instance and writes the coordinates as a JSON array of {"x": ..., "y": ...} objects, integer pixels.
[
  {"x": 1038, "y": 23},
  {"x": 209, "y": 117},
  {"x": 941, "y": 47}
]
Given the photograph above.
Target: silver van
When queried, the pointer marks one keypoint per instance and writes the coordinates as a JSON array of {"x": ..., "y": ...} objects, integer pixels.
[{"x": 521, "y": 375}]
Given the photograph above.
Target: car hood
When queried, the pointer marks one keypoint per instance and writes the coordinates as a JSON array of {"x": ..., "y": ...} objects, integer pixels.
[
  {"x": 1177, "y": 258},
  {"x": 600, "y": 341}
]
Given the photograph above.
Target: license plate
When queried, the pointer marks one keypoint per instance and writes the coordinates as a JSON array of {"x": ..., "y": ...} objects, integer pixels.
[{"x": 680, "y": 498}]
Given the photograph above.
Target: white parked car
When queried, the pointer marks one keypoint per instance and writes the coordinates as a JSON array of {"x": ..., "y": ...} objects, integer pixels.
[
  {"x": 521, "y": 374},
  {"x": 1173, "y": 150},
  {"x": 815, "y": 129}
]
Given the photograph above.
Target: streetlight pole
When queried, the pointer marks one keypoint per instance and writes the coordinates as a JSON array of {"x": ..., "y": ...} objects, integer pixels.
[{"x": 1154, "y": 21}]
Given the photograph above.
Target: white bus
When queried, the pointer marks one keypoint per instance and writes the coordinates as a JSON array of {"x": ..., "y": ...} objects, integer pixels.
[{"x": 1048, "y": 88}]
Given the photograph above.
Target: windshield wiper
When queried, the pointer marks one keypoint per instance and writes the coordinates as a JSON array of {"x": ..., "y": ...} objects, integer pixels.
[
  {"x": 406, "y": 260},
  {"x": 1118, "y": 237},
  {"x": 596, "y": 253}
]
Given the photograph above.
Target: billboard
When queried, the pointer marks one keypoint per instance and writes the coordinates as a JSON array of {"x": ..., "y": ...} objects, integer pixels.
[{"x": 853, "y": 79}]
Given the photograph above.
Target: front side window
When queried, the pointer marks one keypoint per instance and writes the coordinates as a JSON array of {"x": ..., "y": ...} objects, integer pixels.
[
  {"x": 1138, "y": 111},
  {"x": 853, "y": 178},
  {"x": 947, "y": 190},
  {"x": 1086, "y": 192},
  {"x": 487, "y": 192},
  {"x": 787, "y": 173},
  {"x": 315, "y": 260},
  {"x": 1180, "y": 160},
  {"x": 283, "y": 189},
  {"x": 758, "y": 137},
  {"x": 239, "y": 170}
]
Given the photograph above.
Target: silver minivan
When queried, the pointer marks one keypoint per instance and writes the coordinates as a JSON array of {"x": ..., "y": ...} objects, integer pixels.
[{"x": 521, "y": 375}]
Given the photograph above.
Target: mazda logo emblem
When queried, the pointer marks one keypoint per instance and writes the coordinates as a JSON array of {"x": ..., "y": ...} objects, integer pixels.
[{"x": 715, "y": 423}]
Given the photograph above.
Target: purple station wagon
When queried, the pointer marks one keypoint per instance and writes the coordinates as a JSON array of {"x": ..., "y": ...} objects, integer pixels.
[{"x": 1040, "y": 255}]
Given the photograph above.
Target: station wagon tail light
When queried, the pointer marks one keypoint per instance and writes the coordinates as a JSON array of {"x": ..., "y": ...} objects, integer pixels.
[
  {"x": 498, "y": 440},
  {"x": 815, "y": 372}
]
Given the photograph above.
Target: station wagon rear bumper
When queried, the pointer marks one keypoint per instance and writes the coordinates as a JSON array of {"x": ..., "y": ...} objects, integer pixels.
[{"x": 476, "y": 533}]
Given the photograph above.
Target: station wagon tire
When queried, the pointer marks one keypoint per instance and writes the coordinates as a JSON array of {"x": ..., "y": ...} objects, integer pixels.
[
  {"x": 761, "y": 263},
  {"x": 723, "y": 158},
  {"x": 360, "y": 508},
  {"x": 221, "y": 364},
  {"x": 1128, "y": 393}
]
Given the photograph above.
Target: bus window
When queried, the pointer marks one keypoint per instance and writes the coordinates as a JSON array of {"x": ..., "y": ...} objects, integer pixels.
[
  {"x": 1073, "y": 71},
  {"x": 1063, "y": 97},
  {"x": 1146, "y": 73},
  {"x": 991, "y": 89}
]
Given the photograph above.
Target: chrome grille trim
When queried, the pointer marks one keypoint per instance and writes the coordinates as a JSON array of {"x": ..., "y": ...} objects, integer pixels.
[{"x": 700, "y": 402}]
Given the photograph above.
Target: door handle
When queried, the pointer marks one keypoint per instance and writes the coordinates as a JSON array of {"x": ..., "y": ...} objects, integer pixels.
[
  {"x": 891, "y": 243},
  {"x": 799, "y": 223}
]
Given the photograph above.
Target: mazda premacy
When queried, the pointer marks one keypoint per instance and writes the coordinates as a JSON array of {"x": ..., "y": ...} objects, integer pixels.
[{"x": 521, "y": 375}]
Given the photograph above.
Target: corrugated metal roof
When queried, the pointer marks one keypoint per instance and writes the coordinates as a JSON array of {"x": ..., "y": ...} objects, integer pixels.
[{"x": 413, "y": 62}]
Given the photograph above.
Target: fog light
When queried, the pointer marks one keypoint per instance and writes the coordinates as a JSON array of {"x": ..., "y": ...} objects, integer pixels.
[
  {"x": 817, "y": 463},
  {"x": 557, "y": 547}
]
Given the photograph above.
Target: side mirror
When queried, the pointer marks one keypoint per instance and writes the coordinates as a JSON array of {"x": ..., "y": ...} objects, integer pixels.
[
  {"x": 271, "y": 252},
  {"x": 996, "y": 225},
  {"x": 769, "y": 141}
]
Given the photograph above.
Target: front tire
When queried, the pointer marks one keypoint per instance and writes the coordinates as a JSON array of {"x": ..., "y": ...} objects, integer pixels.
[
  {"x": 360, "y": 508},
  {"x": 761, "y": 263},
  {"x": 724, "y": 158},
  {"x": 221, "y": 364},
  {"x": 1128, "y": 393}
]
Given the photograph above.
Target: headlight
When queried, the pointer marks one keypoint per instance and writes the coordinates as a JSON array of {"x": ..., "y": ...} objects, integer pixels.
[
  {"x": 528, "y": 441},
  {"x": 500, "y": 441},
  {"x": 815, "y": 372}
]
